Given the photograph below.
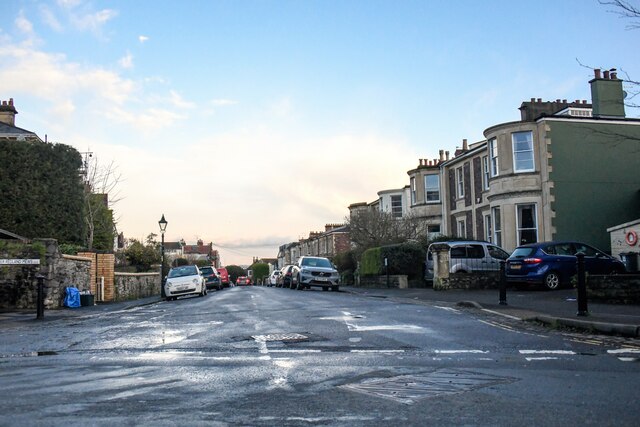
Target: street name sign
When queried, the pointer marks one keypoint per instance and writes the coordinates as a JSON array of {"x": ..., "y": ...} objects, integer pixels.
[{"x": 19, "y": 261}]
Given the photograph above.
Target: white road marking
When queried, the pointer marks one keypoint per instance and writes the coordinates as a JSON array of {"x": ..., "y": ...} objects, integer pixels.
[
  {"x": 569, "y": 352},
  {"x": 461, "y": 351},
  {"x": 293, "y": 351},
  {"x": 406, "y": 328},
  {"x": 377, "y": 351},
  {"x": 624, "y": 351},
  {"x": 447, "y": 308},
  {"x": 628, "y": 359},
  {"x": 533, "y": 359}
]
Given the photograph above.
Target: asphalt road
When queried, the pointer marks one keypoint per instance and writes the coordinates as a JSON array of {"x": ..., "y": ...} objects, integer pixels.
[{"x": 257, "y": 356}]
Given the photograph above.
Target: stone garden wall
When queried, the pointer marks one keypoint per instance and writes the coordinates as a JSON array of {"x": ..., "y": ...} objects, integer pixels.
[
  {"x": 128, "y": 286},
  {"x": 620, "y": 288}
]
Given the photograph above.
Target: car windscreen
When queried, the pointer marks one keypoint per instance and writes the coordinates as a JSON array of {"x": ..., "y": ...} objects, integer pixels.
[
  {"x": 316, "y": 262},
  {"x": 206, "y": 270},
  {"x": 187, "y": 270}
]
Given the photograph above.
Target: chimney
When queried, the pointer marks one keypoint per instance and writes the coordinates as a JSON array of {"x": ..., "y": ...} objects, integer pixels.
[
  {"x": 465, "y": 146},
  {"x": 607, "y": 96},
  {"x": 446, "y": 155},
  {"x": 442, "y": 155},
  {"x": 8, "y": 112},
  {"x": 200, "y": 243},
  {"x": 420, "y": 162}
]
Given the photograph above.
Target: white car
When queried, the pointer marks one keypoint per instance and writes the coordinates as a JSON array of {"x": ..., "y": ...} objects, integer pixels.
[
  {"x": 273, "y": 279},
  {"x": 184, "y": 280},
  {"x": 315, "y": 271}
]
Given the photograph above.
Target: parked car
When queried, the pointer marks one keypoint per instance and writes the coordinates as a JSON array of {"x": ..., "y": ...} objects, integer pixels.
[
  {"x": 273, "y": 278},
  {"x": 224, "y": 277},
  {"x": 552, "y": 264},
  {"x": 311, "y": 271},
  {"x": 184, "y": 280},
  {"x": 243, "y": 281},
  {"x": 467, "y": 256},
  {"x": 212, "y": 277},
  {"x": 284, "y": 279}
]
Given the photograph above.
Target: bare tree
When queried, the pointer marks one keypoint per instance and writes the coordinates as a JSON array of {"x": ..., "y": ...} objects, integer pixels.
[
  {"x": 101, "y": 194},
  {"x": 631, "y": 12},
  {"x": 372, "y": 228}
]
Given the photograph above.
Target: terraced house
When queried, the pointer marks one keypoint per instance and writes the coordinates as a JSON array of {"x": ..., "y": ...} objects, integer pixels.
[{"x": 565, "y": 170}]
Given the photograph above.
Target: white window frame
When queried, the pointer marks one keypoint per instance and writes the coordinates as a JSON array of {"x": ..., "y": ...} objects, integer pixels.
[
  {"x": 497, "y": 226},
  {"x": 432, "y": 189},
  {"x": 493, "y": 154},
  {"x": 488, "y": 235},
  {"x": 519, "y": 228},
  {"x": 459, "y": 182},
  {"x": 522, "y": 152},
  {"x": 413, "y": 190},
  {"x": 393, "y": 213},
  {"x": 461, "y": 225},
  {"x": 486, "y": 174}
]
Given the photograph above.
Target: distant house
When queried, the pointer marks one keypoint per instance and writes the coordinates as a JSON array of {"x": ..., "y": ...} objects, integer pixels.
[
  {"x": 8, "y": 128},
  {"x": 200, "y": 251}
]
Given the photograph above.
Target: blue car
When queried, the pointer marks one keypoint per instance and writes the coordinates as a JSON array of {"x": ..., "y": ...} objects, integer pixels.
[{"x": 552, "y": 264}]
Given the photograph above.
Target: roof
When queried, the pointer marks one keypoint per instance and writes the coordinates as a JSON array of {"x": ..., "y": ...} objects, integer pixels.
[
  {"x": 625, "y": 225},
  {"x": 172, "y": 246},
  {"x": 7, "y": 130}
]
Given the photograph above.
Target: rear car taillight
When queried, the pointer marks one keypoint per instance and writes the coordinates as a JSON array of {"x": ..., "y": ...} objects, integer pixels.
[{"x": 532, "y": 260}]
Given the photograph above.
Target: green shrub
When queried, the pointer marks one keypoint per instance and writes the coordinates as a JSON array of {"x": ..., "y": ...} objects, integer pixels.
[
  {"x": 344, "y": 261},
  {"x": 371, "y": 263},
  {"x": 405, "y": 258}
]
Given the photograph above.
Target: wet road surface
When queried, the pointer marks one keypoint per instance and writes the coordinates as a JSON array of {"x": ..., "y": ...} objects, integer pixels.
[{"x": 259, "y": 356}]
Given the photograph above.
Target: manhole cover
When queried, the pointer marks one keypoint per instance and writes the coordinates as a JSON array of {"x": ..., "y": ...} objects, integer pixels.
[
  {"x": 280, "y": 337},
  {"x": 408, "y": 389}
]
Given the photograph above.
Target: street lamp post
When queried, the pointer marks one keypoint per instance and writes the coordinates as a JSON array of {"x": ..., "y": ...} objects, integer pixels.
[{"x": 163, "y": 226}]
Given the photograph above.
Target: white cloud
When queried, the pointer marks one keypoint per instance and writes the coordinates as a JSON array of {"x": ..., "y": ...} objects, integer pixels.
[
  {"x": 50, "y": 19},
  {"x": 142, "y": 39},
  {"x": 178, "y": 101},
  {"x": 126, "y": 61},
  {"x": 92, "y": 21},
  {"x": 24, "y": 25},
  {"x": 281, "y": 108},
  {"x": 69, "y": 4}
]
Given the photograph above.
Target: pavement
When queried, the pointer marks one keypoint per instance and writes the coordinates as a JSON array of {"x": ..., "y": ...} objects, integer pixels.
[{"x": 553, "y": 308}]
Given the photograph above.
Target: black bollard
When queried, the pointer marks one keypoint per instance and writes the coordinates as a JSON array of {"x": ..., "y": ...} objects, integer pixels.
[
  {"x": 503, "y": 283},
  {"x": 582, "y": 287},
  {"x": 40, "y": 301}
]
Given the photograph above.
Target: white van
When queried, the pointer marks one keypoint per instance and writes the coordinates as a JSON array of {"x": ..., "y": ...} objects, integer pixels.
[{"x": 466, "y": 256}]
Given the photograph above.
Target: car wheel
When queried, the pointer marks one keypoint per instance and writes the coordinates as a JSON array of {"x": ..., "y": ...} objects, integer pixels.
[
  {"x": 552, "y": 280},
  {"x": 168, "y": 298}
]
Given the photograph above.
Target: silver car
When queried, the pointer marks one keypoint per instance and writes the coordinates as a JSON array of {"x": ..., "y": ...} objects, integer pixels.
[
  {"x": 315, "y": 271},
  {"x": 467, "y": 256}
]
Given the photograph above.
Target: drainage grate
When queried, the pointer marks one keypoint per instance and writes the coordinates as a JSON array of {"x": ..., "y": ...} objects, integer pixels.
[
  {"x": 408, "y": 389},
  {"x": 280, "y": 337}
]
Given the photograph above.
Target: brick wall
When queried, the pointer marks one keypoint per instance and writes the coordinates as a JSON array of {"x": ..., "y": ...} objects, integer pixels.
[{"x": 102, "y": 267}]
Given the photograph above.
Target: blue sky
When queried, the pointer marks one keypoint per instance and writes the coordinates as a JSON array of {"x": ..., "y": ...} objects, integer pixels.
[{"x": 251, "y": 123}]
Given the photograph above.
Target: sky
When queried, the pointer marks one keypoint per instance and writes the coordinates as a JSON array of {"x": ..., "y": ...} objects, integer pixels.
[{"x": 249, "y": 124}]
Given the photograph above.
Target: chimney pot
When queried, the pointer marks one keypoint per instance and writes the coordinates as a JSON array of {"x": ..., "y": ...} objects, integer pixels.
[
  {"x": 606, "y": 74},
  {"x": 446, "y": 155},
  {"x": 465, "y": 146},
  {"x": 558, "y": 101},
  {"x": 441, "y": 155},
  {"x": 539, "y": 99},
  {"x": 596, "y": 73},
  {"x": 10, "y": 101},
  {"x": 614, "y": 74},
  {"x": 533, "y": 100},
  {"x": 420, "y": 160},
  {"x": 435, "y": 162},
  {"x": 564, "y": 101}
]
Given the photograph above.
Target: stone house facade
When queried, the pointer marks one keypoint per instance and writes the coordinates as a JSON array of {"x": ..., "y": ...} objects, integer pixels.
[{"x": 334, "y": 240}]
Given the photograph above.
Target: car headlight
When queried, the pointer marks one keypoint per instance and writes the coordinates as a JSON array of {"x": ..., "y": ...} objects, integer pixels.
[{"x": 195, "y": 281}]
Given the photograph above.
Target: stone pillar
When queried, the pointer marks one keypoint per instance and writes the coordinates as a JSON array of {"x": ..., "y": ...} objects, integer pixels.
[{"x": 440, "y": 266}]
